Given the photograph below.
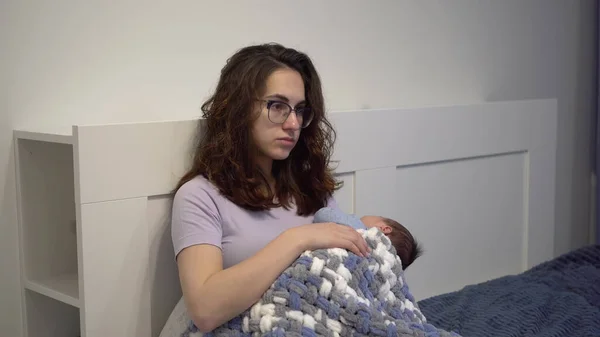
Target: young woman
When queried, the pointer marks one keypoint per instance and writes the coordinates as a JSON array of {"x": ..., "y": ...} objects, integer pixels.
[{"x": 244, "y": 211}]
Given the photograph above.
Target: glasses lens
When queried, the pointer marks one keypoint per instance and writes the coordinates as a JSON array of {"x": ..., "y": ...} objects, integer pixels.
[
  {"x": 278, "y": 112},
  {"x": 306, "y": 117}
]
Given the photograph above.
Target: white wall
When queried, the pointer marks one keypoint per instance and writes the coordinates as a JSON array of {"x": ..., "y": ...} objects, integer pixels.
[{"x": 69, "y": 61}]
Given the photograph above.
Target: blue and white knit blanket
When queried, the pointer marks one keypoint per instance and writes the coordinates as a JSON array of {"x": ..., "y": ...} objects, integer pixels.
[{"x": 333, "y": 292}]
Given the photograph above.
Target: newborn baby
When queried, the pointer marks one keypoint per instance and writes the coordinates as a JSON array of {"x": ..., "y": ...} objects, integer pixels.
[{"x": 405, "y": 244}]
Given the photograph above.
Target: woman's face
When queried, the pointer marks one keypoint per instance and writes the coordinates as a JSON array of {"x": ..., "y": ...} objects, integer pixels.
[{"x": 275, "y": 141}]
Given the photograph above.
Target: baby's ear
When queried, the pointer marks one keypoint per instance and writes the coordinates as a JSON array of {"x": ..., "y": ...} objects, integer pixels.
[{"x": 386, "y": 229}]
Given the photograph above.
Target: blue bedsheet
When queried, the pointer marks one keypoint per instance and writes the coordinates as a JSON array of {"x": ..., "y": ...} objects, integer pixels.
[{"x": 560, "y": 297}]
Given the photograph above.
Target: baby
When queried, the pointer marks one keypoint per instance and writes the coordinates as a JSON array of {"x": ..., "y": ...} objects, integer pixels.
[{"x": 405, "y": 244}]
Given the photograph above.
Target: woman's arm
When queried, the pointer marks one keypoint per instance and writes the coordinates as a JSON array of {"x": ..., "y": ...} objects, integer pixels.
[{"x": 213, "y": 295}]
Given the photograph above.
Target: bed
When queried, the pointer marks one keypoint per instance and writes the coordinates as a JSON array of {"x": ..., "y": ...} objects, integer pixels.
[
  {"x": 560, "y": 297},
  {"x": 474, "y": 183}
]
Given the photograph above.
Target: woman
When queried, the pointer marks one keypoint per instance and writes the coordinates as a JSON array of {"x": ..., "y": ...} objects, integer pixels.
[{"x": 243, "y": 213}]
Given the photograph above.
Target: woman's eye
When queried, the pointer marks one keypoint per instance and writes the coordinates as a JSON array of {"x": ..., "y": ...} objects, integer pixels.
[{"x": 279, "y": 106}]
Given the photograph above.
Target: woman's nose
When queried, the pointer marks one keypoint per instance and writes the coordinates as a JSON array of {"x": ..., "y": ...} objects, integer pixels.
[{"x": 292, "y": 121}]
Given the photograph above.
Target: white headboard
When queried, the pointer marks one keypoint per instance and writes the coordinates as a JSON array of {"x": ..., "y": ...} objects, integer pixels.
[{"x": 474, "y": 183}]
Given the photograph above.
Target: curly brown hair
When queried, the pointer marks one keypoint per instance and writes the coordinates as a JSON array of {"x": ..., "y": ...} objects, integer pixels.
[{"x": 223, "y": 152}]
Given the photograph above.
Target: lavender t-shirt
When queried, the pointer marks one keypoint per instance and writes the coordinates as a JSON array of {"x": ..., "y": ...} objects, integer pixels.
[{"x": 201, "y": 215}]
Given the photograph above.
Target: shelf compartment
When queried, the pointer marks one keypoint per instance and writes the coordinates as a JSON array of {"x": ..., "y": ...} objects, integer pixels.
[
  {"x": 47, "y": 317},
  {"x": 45, "y": 186},
  {"x": 63, "y": 288}
]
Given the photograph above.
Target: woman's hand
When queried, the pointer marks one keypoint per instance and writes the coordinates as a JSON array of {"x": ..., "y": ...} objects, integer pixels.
[{"x": 330, "y": 235}]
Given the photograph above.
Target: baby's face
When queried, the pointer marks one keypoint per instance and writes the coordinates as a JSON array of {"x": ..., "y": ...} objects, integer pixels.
[{"x": 376, "y": 221}]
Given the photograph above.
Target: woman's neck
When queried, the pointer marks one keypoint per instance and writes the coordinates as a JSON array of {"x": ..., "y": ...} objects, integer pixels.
[{"x": 265, "y": 165}]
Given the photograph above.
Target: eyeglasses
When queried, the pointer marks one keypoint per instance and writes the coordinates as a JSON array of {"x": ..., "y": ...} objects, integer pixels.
[{"x": 280, "y": 111}]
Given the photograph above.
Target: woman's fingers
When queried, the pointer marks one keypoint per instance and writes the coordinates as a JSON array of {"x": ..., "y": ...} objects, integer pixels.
[
  {"x": 364, "y": 246},
  {"x": 358, "y": 243},
  {"x": 335, "y": 235},
  {"x": 356, "y": 250}
]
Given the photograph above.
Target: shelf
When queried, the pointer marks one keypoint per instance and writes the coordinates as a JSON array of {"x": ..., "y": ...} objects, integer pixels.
[
  {"x": 47, "y": 317},
  {"x": 57, "y": 135},
  {"x": 48, "y": 232},
  {"x": 63, "y": 288}
]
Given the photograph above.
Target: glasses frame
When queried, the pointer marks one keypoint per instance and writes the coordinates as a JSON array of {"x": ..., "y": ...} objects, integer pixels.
[{"x": 270, "y": 102}]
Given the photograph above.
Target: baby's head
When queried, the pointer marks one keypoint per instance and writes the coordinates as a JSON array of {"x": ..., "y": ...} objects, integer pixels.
[{"x": 407, "y": 248}]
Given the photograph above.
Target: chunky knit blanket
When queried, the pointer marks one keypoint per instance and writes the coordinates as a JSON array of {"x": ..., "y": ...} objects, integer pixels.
[{"x": 333, "y": 292}]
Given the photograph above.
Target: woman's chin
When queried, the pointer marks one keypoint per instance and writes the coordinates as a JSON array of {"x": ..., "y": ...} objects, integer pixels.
[{"x": 280, "y": 155}]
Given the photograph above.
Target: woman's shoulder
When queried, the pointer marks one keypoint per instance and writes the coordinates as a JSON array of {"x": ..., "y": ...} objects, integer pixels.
[
  {"x": 197, "y": 183},
  {"x": 196, "y": 189}
]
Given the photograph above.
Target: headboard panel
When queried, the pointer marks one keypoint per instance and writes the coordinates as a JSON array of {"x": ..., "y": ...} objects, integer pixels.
[{"x": 474, "y": 183}]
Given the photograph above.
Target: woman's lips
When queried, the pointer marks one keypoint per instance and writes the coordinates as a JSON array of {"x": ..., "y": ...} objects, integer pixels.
[{"x": 286, "y": 140}]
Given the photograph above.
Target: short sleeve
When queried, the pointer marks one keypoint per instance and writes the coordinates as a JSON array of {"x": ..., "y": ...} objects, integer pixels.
[{"x": 195, "y": 218}]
